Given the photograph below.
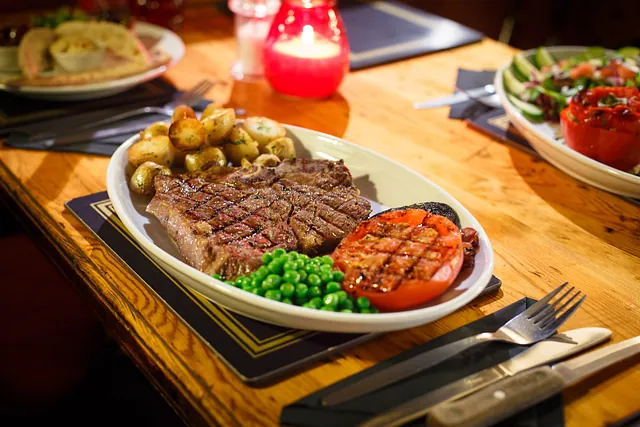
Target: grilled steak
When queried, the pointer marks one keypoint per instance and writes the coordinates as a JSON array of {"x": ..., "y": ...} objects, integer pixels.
[{"x": 225, "y": 218}]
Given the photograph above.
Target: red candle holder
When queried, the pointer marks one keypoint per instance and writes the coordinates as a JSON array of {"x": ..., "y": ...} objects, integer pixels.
[{"x": 306, "y": 53}]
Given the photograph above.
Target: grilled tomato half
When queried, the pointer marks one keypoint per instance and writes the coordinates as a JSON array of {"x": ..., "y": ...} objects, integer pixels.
[{"x": 400, "y": 259}]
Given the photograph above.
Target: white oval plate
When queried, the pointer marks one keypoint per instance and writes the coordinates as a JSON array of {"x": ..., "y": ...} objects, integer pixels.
[
  {"x": 169, "y": 42},
  {"x": 381, "y": 180},
  {"x": 542, "y": 137}
]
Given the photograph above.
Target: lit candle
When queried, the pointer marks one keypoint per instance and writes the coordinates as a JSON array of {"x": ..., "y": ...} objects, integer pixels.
[{"x": 307, "y": 64}]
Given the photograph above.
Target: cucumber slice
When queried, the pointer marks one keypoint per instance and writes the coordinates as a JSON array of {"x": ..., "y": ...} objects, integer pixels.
[
  {"x": 525, "y": 67},
  {"x": 553, "y": 94},
  {"x": 629, "y": 52},
  {"x": 530, "y": 111},
  {"x": 512, "y": 84},
  {"x": 544, "y": 58}
]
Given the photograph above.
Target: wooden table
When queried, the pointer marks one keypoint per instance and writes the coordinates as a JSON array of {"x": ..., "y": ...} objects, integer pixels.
[{"x": 545, "y": 228}]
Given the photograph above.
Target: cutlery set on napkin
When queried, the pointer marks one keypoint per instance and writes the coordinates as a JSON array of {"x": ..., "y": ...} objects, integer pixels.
[{"x": 486, "y": 394}]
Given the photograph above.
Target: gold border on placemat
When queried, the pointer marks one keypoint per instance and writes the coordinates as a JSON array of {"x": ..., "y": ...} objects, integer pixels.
[{"x": 226, "y": 319}]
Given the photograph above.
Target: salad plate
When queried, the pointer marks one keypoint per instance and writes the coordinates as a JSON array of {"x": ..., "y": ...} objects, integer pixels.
[
  {"x": 382, "y": 181},
  {"x": 546, "y": 136}
]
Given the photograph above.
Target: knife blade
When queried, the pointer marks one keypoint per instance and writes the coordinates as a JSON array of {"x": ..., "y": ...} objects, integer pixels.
[
  {"x": 542, "y": 353},
  {"x": 456, "y": 97},
  {"x": 89, "y": 135},
  {"x": 510, "y": 396}
]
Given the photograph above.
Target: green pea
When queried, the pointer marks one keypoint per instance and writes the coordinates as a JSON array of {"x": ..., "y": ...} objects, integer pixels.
[
  {"x": 363, "y": 303},
  {"x": 277, "y": 253},
  {"x": 338, "y": 276},
  {"x": 333, "y": 287},
  {"x": 266, "y": 258},
  {"x": 217, "y": 276},
  {"x": 346, "y": 304},
  {"x": 303, "y": 275},
  {"x": 230, "y": 282},
  {"x": 331, "y": 300},
  {"x": 271, "y": 282},
  {"x": 291, "y": 276},
  {"x": 303, "y": 257},
  {"x": 273, "y": 294},
  {"x": 261, "y": 272},
  {"x": 325, "y": 267},
  {"x": 366, "y": 311},
  {"x": 326, "y": 276},
  {"x": 301, "y": 291},
  {"x": 315, "y": 302},
  {"x": 311, "y": 269},
  {"x": 307, "y": 305},
  {"x": 287, "y": 301},
  {"x": 314, "y": 280},
  {"x": 287, "y": 289},
  {"x": 346, "y": 310},
  {"x": 258, "y": 291},
  {"x": 342, "y": 295},
  {"x": 327, "y": 308},
  {"x": 275, "y": 267},
  {"x": 374, "y": 309},
  {"x": 247, "y": 288},
  {"x": 290, "y": 266},
  {"x": 314, "y": 291},
  {"x": 241, "y": 281},
  {"x": 292, "y": 256},
  {"x": 255, "y": 282},
  {"x": 326, "y": 259}
]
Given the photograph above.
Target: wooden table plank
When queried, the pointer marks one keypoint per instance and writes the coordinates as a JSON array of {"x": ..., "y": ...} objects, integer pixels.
[{"x": 545, "y": 227}]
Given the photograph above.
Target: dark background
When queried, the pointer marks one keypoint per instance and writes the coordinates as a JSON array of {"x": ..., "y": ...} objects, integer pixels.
[{"x": 521, "y": 23}]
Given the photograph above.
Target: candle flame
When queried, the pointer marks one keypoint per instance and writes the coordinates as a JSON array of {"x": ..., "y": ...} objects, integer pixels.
[{"x": 308, "y": 35}]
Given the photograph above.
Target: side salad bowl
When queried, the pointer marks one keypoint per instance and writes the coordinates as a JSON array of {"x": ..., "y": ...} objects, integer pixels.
[{"x": 546, "y": 137}]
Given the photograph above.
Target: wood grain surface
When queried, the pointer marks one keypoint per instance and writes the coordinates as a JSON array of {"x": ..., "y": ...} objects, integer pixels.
[{"x": 545, "y": 227}]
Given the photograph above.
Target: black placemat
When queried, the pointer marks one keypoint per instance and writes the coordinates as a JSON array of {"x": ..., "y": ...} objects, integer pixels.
[
  {"x": 17, "y": 111},
  {"x": 309, "y": 412},
  {"x": 384, "y": 31},
  {"x": 259, "y": 353}
]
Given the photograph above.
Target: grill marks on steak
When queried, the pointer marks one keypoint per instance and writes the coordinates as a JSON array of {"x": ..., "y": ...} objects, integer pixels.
[{"x": 224, "y": 219}]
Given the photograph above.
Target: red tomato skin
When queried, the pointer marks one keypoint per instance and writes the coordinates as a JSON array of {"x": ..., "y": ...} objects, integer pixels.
[
  {"x": 412, "y": 292},
  {"x": 620, "y": 150}
]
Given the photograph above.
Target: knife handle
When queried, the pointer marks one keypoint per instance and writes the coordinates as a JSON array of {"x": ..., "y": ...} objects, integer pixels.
[{"x": 499, "y": 401}]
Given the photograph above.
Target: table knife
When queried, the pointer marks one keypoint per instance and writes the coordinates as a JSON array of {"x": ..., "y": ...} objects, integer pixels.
[
  {"x": 457, "y": 97},
  {"x": 542, "y": 353},
  {"x": 521, "y": 391},
  {"x": 90, "y": 135}
]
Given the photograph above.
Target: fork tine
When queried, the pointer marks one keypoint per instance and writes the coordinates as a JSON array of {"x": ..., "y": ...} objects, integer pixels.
[
  {"x": 193, "y": 92},
  {"x": 550, "y": 309},
  {"x": 559, "y": 310},
  {"x": 196, "y": 95},
  {"x": 556, "y": 324},
  {"x": 537, "y": 307},
  {"x": 186, "y": 94}
]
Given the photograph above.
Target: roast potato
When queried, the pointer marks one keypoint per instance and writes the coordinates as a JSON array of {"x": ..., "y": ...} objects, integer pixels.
[
  {"x": 218, "y": 125},
  {"x": 281, "y": 147},
  {"x": 210, "y": 110},
  {"x": 141, "y": 181},
  {"x": 263, "y": 130},
  {"x": 239, "y": 145},
  {"x": 157, "y": 149},
  {"x": 155, "y": 129},
  {"x": 187, "y": 134},
  {"x": 204, "y": 159},
  {"x": 269, "y": 160},
  {"x": 183, "y": 112}
]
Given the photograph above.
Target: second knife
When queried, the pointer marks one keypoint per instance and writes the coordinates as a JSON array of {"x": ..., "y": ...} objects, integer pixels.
[{"x": 542, "y": 353}]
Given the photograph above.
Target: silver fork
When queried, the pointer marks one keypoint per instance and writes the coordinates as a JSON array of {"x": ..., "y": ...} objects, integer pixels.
[
  {"x": 190, "y": 98},
  {"x": 536, "y": 323}
]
